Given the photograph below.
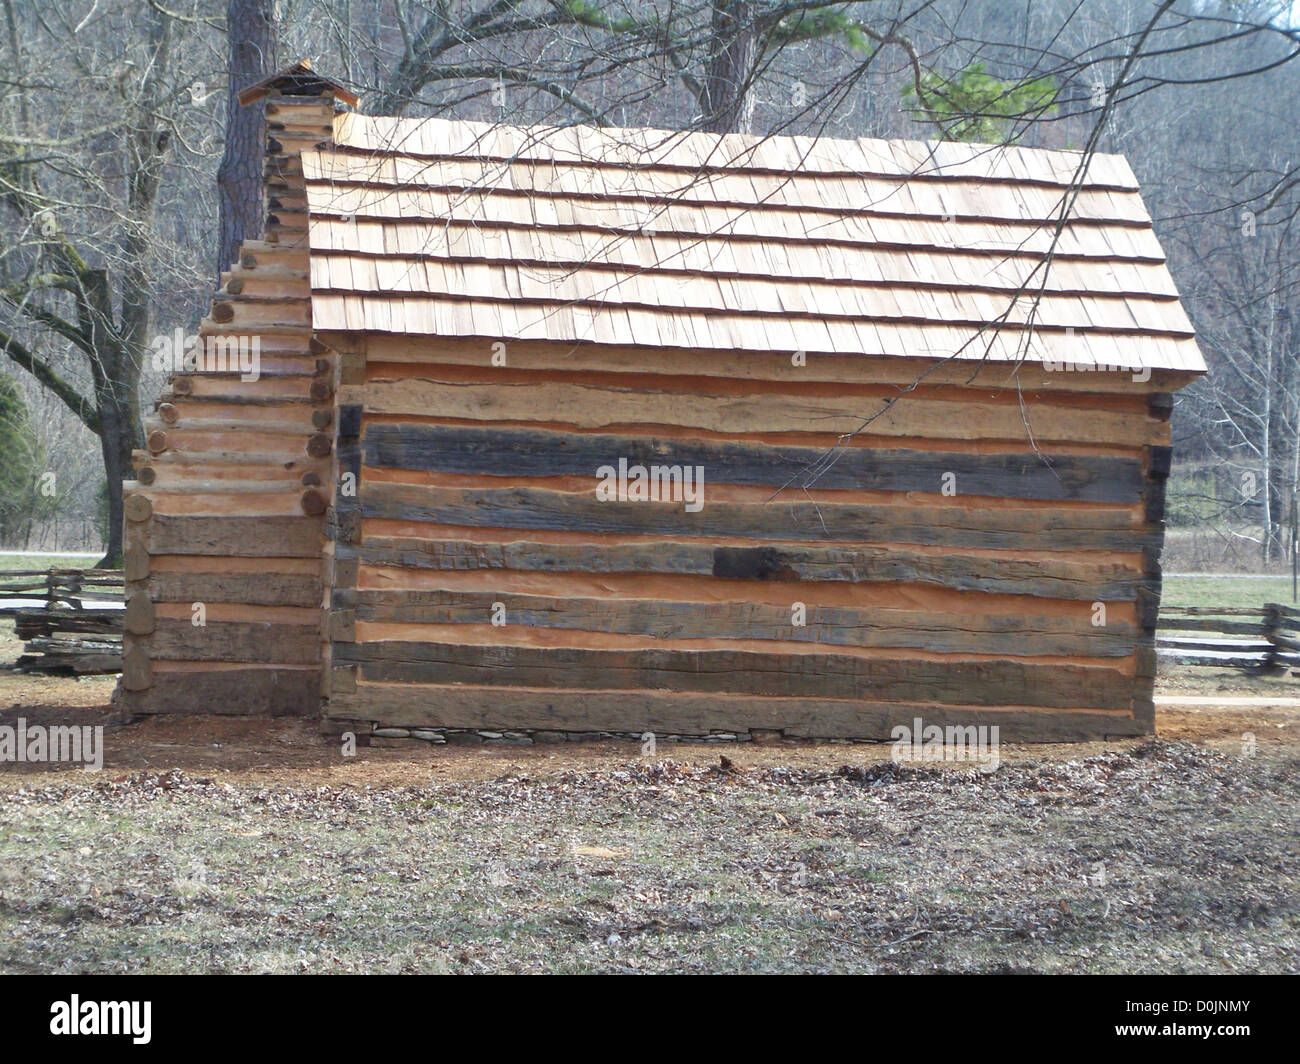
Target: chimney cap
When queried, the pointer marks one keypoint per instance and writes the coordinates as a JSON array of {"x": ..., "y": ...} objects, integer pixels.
[{"x": 297, "y": 80}]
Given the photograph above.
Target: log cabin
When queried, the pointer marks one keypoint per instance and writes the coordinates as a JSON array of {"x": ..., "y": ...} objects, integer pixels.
[{"x": 562, "y": 431}]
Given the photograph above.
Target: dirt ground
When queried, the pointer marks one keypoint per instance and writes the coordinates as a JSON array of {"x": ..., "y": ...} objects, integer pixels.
[
  {"x": 291, "y": 752},
  {"x": 1212, "y": 707},
  {"x": 236, "y": 845}
]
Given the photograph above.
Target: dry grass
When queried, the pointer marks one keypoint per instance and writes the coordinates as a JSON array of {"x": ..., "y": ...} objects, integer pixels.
[
  {"x": 1168, "y": 857},
  {"x": 220, "y": 844}
]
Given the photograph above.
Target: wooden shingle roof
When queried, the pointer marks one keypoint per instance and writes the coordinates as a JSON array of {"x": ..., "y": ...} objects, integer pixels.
[{"x": 694, "y": 240}]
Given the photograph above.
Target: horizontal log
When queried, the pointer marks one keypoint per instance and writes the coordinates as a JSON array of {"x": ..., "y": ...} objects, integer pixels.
[
  {"x": 266, "y": 501},
  {"x": 1209, "y": 611},
  {"x": 29, "y": 623},
  {"x": 936, "y": 525},
  {"x": 667, "y": 713},
  {"x": 1238, "y": 646},
  {"x": 1009, "y": 634},
  {"x": 256, "y": 537},
  {"x": 540, "y": 453},
  {"x": 986, "y": 683},
  {"x": 271, "y": 413},
  {"x": 231, "y": 439},
  {"x": 758, "y": 365},
  {"x": 234, "y": 641},
  {"x": 1209, "y": 624},
  {"x": 588, "y": 407},
  {"x": 249, "y": 313},
  {"x": 995, "y": 573},
  {"x": 228, "y": 692},
  {"x": 255, "y": 588},
  {"x": 1283, "y": 640},
  {"x": 1212, "y": 658}
]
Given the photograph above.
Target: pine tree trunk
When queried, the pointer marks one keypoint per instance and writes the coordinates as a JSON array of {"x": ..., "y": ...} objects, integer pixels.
[
  {"x": 252, "y": 37},
  {"x": 728, "y": 103}
]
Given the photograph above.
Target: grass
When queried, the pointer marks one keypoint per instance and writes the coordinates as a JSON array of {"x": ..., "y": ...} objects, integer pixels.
[
  {"x": 659, "y": 867},
  {"x": 11, "y": 561},
  {"x": 1236, "y": 591}
]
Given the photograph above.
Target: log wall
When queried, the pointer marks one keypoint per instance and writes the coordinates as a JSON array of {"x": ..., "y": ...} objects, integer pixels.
[
  {"x": 983, "y": 551},
  {"x": 224, "y": 526}
]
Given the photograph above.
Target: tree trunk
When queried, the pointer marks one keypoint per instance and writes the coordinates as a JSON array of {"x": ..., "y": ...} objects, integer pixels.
[
  {"x": 252, "y": 36},
  {"x": 116, "y": 450},
  {"x": 728, "y": 103}
]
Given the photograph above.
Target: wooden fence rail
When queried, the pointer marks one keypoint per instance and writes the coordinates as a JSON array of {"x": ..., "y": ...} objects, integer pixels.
[
  {"x": 1264, "y": 639},
  {"x": 70, "y": 620}
]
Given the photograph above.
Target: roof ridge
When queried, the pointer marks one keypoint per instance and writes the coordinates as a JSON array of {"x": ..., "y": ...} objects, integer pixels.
[{"x": 695, "y": 149}]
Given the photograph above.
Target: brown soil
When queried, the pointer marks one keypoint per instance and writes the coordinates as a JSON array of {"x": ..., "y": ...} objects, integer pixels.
[{"x": 291, "y": 752}]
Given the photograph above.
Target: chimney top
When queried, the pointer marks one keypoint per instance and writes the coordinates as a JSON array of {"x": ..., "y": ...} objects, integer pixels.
[{"x": 298, "y": 80}]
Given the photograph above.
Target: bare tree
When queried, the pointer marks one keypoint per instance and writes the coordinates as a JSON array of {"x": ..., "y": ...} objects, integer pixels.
[{"x": 80, "y": 181}]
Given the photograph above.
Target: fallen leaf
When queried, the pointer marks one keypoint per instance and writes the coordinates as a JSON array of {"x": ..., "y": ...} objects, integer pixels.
[{"x": 602, "y": 852}]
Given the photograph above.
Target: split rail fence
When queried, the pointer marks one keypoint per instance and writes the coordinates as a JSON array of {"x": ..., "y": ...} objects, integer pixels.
[
  {"x": 1264, "y": 639},
  {"x": 70, "y": 620}
]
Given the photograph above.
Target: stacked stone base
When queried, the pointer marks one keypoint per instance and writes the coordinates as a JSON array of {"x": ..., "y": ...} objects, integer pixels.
[{"x": 368, "y": 735}]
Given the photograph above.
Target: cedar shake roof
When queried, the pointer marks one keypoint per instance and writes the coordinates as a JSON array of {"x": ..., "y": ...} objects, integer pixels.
[{"x": 695, "y": 240}]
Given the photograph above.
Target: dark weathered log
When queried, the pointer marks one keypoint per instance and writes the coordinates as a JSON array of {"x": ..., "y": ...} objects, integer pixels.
[
  {"x": 951, "y": 526},
  {"x": 970, "y": 633},
  {"x": 1065, "y": 578},
  {"x": 314, "y": 502},
  {"x": 537, "y": 453},
  {"x": 252, "y": 588},
  {"x": 662, "y": 712},
  {"x": 177, "y": 639},
  {"x": 895, "y": 678},
  {"x": 230, "y": 692},
  {"x": 349, "y": 421}
]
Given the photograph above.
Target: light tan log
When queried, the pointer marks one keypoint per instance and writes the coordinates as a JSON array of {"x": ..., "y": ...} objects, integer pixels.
[
  {"x": 752, "y": 414},
  {"x": 138, "y": 508},
  {"x": 744, "y": 365}
]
